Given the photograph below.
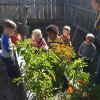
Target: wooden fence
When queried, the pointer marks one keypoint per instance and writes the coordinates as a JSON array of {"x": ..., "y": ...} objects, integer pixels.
[
  {"x": 44, "y": 12},
  {"x": 76, "y": 12},
  {"x": 80, "y": 13},
  {"x": 39, "y": 9}
]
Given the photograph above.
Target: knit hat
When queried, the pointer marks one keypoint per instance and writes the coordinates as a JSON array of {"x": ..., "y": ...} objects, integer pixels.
[
  {"x": 67, "y": 27},
  {"x": 90, "y": 35}
]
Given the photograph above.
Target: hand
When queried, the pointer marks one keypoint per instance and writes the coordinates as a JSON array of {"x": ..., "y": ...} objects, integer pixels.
[
  {"x": 35, "y": 43},
  {"x": 14, "y": 47}
]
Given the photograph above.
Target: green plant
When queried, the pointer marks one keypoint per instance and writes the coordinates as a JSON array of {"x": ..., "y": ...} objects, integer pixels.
[
  {"x": 42, "y": 69},
  {"x": 78, "y": 79},
  {"x": 75, "y": 70},
  {"x": 39, "y": 72}
]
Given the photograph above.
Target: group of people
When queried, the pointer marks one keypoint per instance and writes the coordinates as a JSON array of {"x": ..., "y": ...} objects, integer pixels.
[
  {"x": 53, "y": 37},
  {"x": 87, "y": 48},
  {"x": 9, "y": 39}
]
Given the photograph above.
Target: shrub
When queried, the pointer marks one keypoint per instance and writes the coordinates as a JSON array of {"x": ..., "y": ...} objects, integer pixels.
[{"x": 39, "y": 69}]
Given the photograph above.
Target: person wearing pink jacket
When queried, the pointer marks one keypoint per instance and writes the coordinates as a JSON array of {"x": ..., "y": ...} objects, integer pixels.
[{"x": 38, "y": 40}]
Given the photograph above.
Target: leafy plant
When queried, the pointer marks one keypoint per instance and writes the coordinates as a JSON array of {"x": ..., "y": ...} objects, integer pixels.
[
  {"x": 42, "y": 69},
  {"x": 39, "y": 72},
  {"x": 73, "y": 69}
]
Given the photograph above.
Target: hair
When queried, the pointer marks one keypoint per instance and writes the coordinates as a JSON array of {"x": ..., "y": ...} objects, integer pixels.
[
  {"x": 91, "y": 36},
  {"x": 52, "y": 29},
  {"x": 10, "y": 24},
  {"x": 37, "y": 33},
  {"x": 20, "y": 28}
]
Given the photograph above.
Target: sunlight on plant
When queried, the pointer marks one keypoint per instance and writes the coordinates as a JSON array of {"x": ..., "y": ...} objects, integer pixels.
[{"x": 39, "y": 73}]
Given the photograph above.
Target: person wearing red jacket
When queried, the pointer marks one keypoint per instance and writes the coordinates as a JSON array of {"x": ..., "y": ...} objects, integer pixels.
[{"x": 15, "y": 38}]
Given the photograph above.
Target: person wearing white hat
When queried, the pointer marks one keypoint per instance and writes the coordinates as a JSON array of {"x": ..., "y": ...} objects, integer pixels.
[
  {"x": 66, "y": 35},
  {"x": 87, "y": 48}
]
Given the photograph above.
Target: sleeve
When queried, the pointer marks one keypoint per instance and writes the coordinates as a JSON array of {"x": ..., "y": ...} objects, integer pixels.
[
  {"x": 6, "y": 43},
  {"x": 48, "y": 39},
  {"x": 43, "y": 43},
  {"x": 80, "y": 48},
  {"x": 94, "y": 50}
]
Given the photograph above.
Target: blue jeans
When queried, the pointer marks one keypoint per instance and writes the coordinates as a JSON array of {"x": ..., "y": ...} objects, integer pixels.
[
  {"x": 12, "y": 70},
  {"x": 97, "y": 78}
]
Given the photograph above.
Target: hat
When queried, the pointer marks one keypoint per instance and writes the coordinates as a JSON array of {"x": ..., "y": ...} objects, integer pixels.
[
  {"x": 67, "y": 27},
  {"x": 90, "y": 35}
]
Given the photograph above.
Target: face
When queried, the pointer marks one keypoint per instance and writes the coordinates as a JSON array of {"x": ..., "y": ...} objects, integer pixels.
[
  {"x": 52, "y": 36},
  {"x": 36, "y": 36},
  {"x": 66, "y": 31},
  {"x": 95, "y": 5},
  {"x": 89, "y": 39},
  {"x": 9, "y": 31}
]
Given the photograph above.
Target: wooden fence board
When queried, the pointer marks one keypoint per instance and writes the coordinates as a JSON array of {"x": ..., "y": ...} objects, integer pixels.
[
  {"x": 79, "y": 12},
  {"x": 39, "y": 9}
]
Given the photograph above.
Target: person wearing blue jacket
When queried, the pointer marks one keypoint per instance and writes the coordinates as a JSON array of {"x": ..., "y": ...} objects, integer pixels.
[{"x": 7, "y": 47}]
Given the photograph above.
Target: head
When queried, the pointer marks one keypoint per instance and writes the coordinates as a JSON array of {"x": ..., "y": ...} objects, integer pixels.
[
  {"x": 52, "y": 31},
  {"x": 95, "y": 4},
  {"x": 90, "y": 38},
  {"x": 36, "y": 34},
  {"x": 66, "y": 30},
  {"x": 9, "y": 26}
]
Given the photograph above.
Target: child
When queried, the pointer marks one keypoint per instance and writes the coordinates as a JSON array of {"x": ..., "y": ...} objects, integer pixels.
[
  {"x": 19, "y": 34},
  {"x": 88, "y": 51},
  {"x": 7, "y": 48},
  {"x": 15, "y": 38},
  {"x": 53, "y": 37},
  {"x": 66, "y": 35},
  {"x": 37, "y": 39},
  {"x": 87, "y": 48}
]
